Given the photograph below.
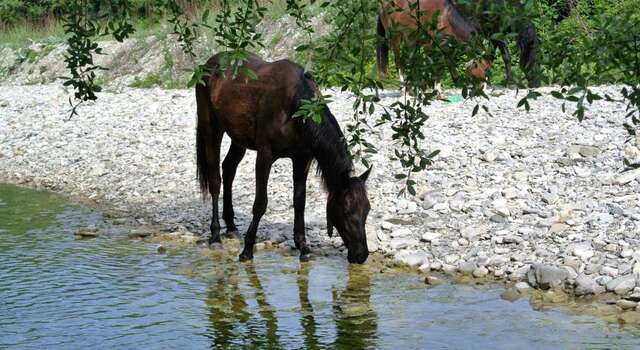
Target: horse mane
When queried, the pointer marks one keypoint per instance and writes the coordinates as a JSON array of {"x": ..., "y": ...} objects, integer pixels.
[
  {"x": 326, "y": 140},
  {"x": 461, "y": 25}
]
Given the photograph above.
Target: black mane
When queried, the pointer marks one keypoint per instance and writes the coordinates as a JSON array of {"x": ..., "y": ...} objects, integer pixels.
[
  {"x": 461, "y": 25},
  {"x": 326, "y": 140}
]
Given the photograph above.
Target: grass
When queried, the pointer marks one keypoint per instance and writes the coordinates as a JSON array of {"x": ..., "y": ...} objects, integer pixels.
[
  {"x": 24, "y": 35},
  {"x": 148, "y": 81}
]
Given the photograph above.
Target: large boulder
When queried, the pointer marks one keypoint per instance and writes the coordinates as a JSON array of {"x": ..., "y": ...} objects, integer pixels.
[{"x": 546, "y": 276}]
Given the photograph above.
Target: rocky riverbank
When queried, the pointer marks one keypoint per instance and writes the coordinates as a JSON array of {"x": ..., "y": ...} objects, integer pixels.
[{"x": 535, "y": 198}]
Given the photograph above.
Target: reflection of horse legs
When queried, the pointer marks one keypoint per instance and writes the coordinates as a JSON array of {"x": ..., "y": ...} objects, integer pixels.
[
  {"x": 229, "y": 166},
  {"x": 356, "y": 320},
  {"x": 307, "y": 319},
  {"x": 265, "y": 309},
  {"x": 227, "y": 307},
  {"x": 263, "y": 168},
  {"x": 300, "y": 171},
  {"x": 506, "y": 57}
]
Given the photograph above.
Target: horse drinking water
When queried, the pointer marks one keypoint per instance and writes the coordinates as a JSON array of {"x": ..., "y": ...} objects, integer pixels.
[{"x": 257, "y": 114}]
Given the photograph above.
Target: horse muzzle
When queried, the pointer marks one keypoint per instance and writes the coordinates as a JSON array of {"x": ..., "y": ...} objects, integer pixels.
[{"x": 358, "y": 255}]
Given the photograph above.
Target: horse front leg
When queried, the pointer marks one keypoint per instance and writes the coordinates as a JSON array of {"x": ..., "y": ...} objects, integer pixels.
[
  {"x": 300, "y": 172},
  {"x": 506, "y": 58},
  {"x": 263, "y": 168},
  {"x": 229, "y": 167}
]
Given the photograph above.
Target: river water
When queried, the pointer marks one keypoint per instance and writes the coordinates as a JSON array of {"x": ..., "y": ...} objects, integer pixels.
[{"x": 60, "y": 292}]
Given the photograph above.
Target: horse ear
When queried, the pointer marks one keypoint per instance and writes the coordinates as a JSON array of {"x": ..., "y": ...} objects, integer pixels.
[{"x": 365, "y": 175}]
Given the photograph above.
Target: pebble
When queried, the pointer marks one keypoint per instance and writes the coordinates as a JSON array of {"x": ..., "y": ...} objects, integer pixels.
[
  {"x": 626, "y": 304},
  {"x": 557, "y": 228},
  {"x": 402, "y": 243},
  {"x": 550, "y": 198},
  {"x": 586, "y": 285},
  {"x": 522, "y": 286},
  {"x": 91, "y": 232},
  {"x": 627, "y": 177},
  {"x": 583, "y": 251},
  {"x": 139, "y": 233},
  {"x": 480, "y": 272},
  {"x": 412, "y": 258},
  {"x": 510, "y": 294},
  {"x": 432, "y": 280},
  {"x": 621, "y": 285},
  {"x": 466, "y": 267},
  {"x": 430, "y": 236},
  {"x": 400, "y": 232}
]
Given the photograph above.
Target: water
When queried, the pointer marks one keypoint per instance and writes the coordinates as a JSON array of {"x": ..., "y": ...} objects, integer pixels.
[{"x": 60, "y": 292}]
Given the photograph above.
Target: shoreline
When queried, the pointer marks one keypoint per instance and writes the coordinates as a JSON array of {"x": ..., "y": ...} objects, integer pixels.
[{"x": 523, "y": 198}]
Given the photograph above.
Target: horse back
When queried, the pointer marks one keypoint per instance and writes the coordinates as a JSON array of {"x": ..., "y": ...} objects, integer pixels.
[
  {"x": 256, "y": 113},
  {"x": 399, "y": 15}
]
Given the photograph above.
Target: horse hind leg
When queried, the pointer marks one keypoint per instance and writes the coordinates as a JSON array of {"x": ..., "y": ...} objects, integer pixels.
[
  {"x": 229, "y": 167},
  {"x": 213, "y": 160},
  {"x": 208, "y": 140},
  {"x": 506, "y": 58}
]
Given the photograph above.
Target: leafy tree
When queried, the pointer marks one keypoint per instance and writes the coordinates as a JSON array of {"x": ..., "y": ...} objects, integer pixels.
[{"x": 597, "y": 42}]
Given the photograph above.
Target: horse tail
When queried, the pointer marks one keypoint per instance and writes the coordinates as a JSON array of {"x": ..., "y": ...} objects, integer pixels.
[
  {"x": 204, "y": 124},
  {"x": 527, "y": 45},
  {"x": 382, "y": 51}
]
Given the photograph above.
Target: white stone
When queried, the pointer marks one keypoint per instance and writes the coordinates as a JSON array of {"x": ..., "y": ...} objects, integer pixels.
[
  {"x": 400, "y": 232},
  {"x": 431, "y": 236}
]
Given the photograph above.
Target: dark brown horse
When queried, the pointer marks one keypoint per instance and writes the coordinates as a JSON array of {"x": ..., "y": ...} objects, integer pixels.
[
  {"x": 400, "y": 19},
  {"x": 257, "y": 114},
  {"x": 487, "y": 16}
]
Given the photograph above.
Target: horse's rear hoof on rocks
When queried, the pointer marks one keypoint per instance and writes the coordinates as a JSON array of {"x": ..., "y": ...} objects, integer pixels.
[{"x": 245, "y": 256}]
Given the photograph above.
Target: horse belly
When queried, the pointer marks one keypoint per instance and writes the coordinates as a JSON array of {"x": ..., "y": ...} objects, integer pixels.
[{"x": 241, "y": 131}]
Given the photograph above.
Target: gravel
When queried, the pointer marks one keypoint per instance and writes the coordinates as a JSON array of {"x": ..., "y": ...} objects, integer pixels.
[{"x": 509, "y": 190}]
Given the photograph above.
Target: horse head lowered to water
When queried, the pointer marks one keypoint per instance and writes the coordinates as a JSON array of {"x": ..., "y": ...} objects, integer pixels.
[{"x": 257, "y": 114}]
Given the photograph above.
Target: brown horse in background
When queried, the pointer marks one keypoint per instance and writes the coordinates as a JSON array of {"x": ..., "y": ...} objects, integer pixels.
[
  {"x": 400, "y": 19},
  {"x": 257, "y": 114},
  {"x": 487, "y": 16}
]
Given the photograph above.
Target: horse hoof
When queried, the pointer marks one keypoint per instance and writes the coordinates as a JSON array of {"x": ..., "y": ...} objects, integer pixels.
[
  {"x": 305, "y": 257},
  {"x": 232, "y": 233},
  {"x": 245, "y": 257},
  {"x": 305, "y": 254}
]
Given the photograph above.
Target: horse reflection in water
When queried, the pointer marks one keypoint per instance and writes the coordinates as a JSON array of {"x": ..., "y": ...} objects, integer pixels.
[
  {"x": 234, "y": 325},
  {"x": 356, "y": 320},
  {"x": 306, "y": 309}
]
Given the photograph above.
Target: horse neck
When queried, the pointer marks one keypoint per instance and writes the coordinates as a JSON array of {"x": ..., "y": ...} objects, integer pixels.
[
  {"x": 462, "y": 28},
  {"x": 329, "y": 148}
]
